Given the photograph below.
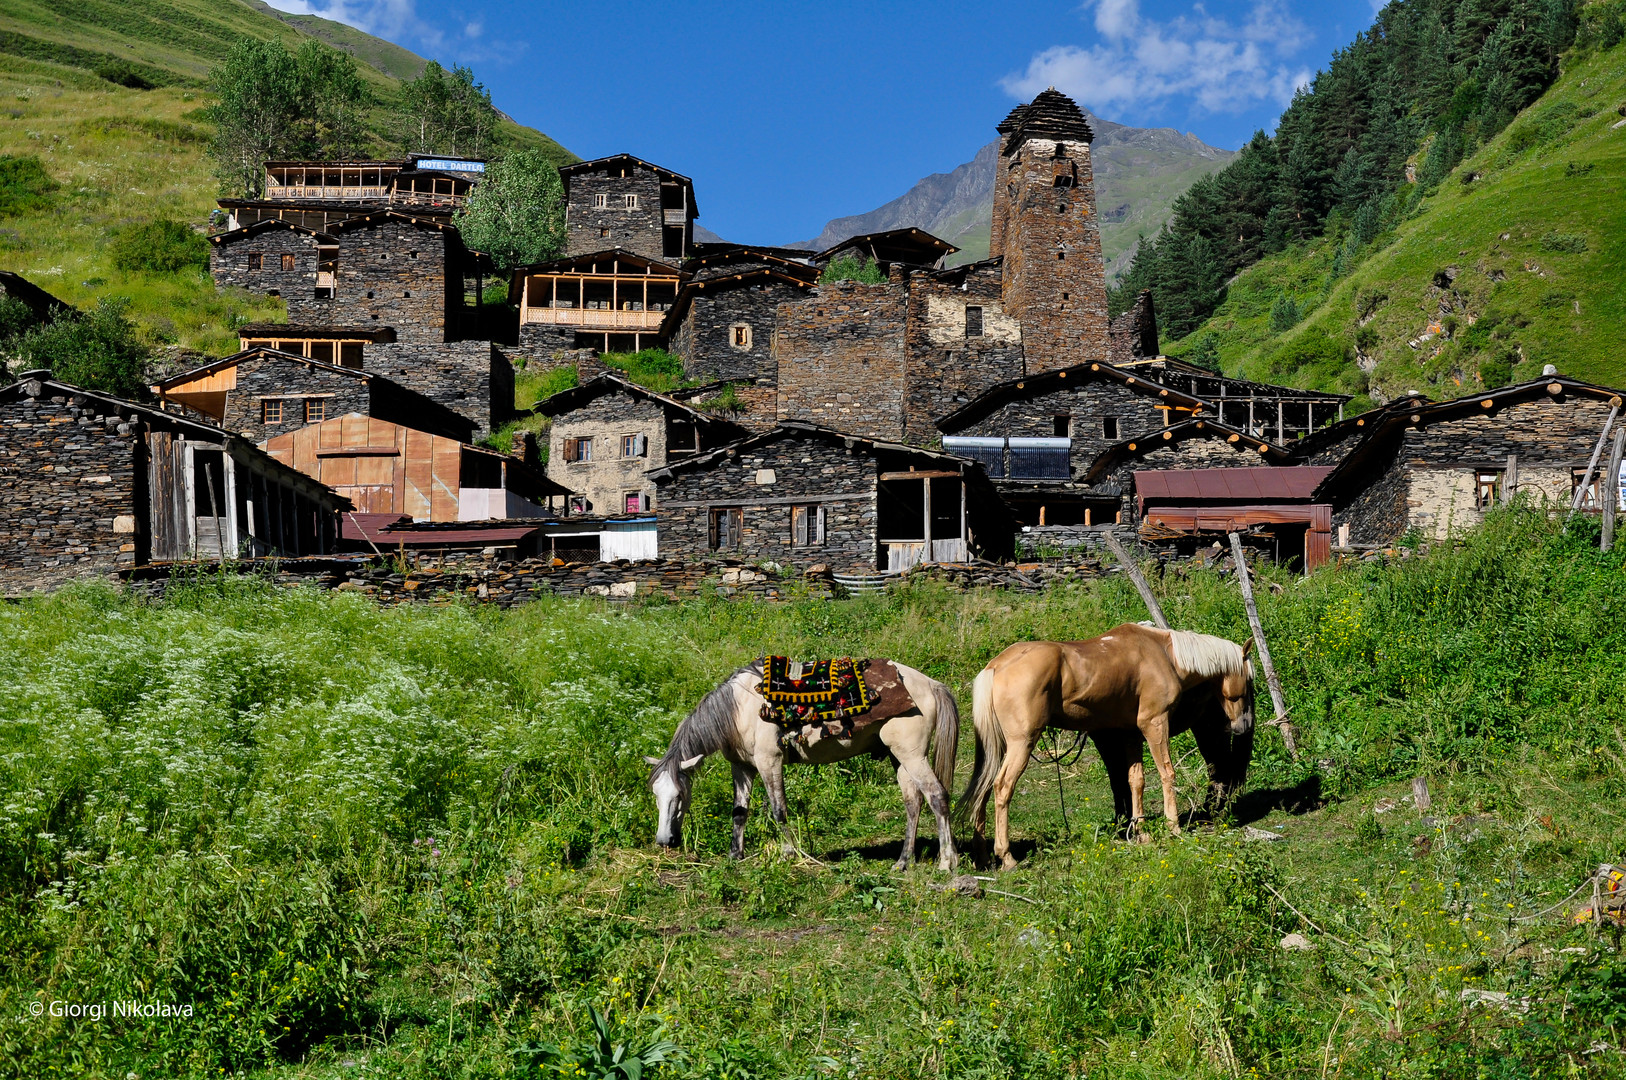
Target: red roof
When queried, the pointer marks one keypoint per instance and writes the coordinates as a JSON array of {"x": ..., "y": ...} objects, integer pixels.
[
  {"x": 392, "y": 530},
  {"x": 1255, "y": 484}
]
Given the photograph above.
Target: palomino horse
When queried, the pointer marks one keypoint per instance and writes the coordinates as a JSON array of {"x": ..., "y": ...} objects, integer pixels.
[
  {"x": 729, "y": 721},
  {"x": 1125, "y": 686}
]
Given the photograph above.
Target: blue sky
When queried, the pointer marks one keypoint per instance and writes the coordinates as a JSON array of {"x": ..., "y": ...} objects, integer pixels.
[{"x": 787, "y": 114}]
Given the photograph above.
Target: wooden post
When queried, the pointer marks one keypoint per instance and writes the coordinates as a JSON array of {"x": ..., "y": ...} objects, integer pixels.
[
  {"x": 1611, "y": 491},
  {"x": 1263, "y": 648},
  {"x": 1592, "y": 465},
  {"x": 1419, "y": 793},
  {"x": 1135, "y": 575},
  {"x": 1510, "y": 479}
]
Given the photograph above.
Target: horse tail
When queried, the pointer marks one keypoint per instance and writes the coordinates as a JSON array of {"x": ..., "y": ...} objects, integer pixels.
[
  {"x": 990, "y": 745},
  {"x": 947, "y": 747}
]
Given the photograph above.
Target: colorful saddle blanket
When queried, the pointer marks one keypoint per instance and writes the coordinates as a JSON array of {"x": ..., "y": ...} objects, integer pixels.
[{"x": 813, "y": 693}]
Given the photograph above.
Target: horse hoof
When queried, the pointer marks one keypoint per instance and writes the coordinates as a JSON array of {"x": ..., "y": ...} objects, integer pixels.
[{"x": 1008, "y": 862}]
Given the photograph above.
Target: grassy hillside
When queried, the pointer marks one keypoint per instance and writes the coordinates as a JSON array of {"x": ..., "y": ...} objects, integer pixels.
[
  {"x": 1513, "y": 263},
  {"x": 416, "y": 842},
  {"x": 386, "y": 56},
  {"x": 120, "y": 156}
]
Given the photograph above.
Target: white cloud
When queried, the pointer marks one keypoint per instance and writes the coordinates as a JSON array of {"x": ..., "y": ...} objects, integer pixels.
[{"x": 1218, "y": 65}]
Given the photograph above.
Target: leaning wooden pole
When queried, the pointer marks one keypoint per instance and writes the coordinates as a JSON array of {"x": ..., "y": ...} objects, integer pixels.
[
  {"x": 1263, "y": 648},
  {"x": 1611, "y": 490},
  {"x": 1138, "y": 578},
  {"x": 1597, "y": 451}
]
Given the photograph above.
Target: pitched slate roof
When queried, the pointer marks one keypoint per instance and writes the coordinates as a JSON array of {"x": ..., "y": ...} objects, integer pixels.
[
  {"x": 238, "y": 357},
  {"x": 375, "y": 334},
  {"x": 909, "y": 245},
  {"x": 1198, "y": 427},
  {"x": 788, "y": 428},
  {"x": 267, "y": 225},
  {"x": 1050, "y": 381},
  {"x": 1396, "y": 416},
  {"x": 1050, "y": 115},
  {"x": 566, "y": 401}
]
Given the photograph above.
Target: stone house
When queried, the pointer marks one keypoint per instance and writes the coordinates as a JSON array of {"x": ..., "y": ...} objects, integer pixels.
[
  {"x": 261, "y": 392},
  {"x": 722, "y": 324},
  {"x": 388, "y": 468},
  {"x": 90, "y": 483},
  {"x": 625, "y": 202},
  {"x": 801, "y": 494},
  {"x": 609, "y": 433},
  {"x": 1282, "y": 414},
  {"x": 1436, "y": 467},
  {"x": 1038, "y": 436},
  {"x": 316, "y": 194},
  {"x": 1196, "y": 443},
  {"x": 611, "y": 301}
]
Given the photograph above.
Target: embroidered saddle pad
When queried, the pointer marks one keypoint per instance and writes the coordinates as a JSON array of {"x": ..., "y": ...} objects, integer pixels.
[{"x": 840, "y": 694}]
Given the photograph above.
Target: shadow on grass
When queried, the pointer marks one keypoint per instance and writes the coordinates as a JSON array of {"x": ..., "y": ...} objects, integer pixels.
[{"x": 1302, "y": 798}]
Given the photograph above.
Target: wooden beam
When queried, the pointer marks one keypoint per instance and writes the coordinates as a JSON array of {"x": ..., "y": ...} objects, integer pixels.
[
  {"x": 924, "y": 474},
  {"x": 1133, "y": 570},
  {"x": 1510, "y": 480},
  {"x": 1611, "y": 492},
  {"x": 1263, "y": 648},
  {"x": 1592, "y": 466}
]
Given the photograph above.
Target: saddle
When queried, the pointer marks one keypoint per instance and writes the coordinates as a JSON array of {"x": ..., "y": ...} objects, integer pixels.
[{"x": 829, "y": 698}]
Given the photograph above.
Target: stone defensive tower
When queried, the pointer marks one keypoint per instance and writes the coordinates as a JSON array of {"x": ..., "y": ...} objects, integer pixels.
[{"x": 1045, "y": 228}]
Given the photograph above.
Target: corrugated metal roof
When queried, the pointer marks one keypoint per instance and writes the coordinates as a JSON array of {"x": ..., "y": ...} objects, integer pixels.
[{"x": 1253, "y": 484}]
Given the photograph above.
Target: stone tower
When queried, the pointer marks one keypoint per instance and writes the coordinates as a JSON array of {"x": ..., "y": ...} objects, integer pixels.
[{"x": 1045, "y": 228}]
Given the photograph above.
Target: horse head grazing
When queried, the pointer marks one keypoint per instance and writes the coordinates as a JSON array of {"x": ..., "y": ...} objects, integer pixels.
[
  {"x": 671, "y": 781},
  {"x": 710, "y": 728},
  {"x": 1223, "y": 665}
]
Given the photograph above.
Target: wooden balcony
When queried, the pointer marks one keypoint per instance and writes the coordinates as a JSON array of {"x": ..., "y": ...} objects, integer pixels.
[
  {"x": 674, "y": 217},
  {"x": 595, "y": 318},
  {"x": 325, "y": 193},
  {"x": 425, "y": 198}
]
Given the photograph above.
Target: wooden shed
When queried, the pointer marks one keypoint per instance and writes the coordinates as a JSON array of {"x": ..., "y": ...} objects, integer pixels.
[{"x": 386, "y": 468}]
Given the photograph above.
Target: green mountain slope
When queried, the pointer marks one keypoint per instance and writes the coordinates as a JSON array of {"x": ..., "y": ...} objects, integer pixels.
[
  {"x": 119, "y": 156},
  {"x": 1515, "y": 262},
  {"x": 386, "y": 56}
]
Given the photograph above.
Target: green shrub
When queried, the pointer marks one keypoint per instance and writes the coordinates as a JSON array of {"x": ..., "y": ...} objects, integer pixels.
[
  {"x": 98, "y": 350},
  {"x": 163, "y": 246},
  {"x": 1284, "y": 314},
  {"x": 855, "y": 268},
  {"x": 123, "y": 73},
  {"x": 25, "y": 186},
  {"x": 1571, "y": 243}
]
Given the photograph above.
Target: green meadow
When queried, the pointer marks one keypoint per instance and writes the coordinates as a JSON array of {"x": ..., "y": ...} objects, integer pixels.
[{"x": 416, "y": 842}]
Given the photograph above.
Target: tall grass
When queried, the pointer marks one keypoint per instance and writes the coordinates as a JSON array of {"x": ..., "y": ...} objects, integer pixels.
[{"x": 418, "y": 838}]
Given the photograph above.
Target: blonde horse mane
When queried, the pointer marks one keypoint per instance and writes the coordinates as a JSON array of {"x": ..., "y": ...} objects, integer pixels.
[{"x": 1207, "y": 656}]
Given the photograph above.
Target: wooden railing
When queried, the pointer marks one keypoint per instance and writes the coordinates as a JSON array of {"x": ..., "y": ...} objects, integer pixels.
[{"x": 595, "y": 318}]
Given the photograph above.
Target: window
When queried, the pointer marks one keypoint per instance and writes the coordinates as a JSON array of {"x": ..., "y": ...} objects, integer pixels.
[
  {"x": 630, "y": 201},
  {"x": 350, "y": 354},
  {"x": 600, "y": 202},
  {"x": 287, "y": 262},
  {"x": 270, "y": 412},
  {"x": 603, "y": 232},
  {"x": 806, "y": 526},
  {"x": 634, "y": 445},
  {"x": 315, "y": 410},
  {"x": 1060, "y": 255},
  {"x": 739, "y": 336},
  {"x": 256, "y": 261},
  {"x": 973, "y": 322},
  {"x": 635, "y": 502},
  {"x": 579, "y": 449},
  {"x": 1061, "y": 426},
  {"x": 1486, "y": 487},
  {"x": 727, "y": 528},
  {"x": 1590, "y": 500},
  {"x": 1109, "y": 427}
]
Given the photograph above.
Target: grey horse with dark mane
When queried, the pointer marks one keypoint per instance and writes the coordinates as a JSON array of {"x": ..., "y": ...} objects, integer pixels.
[{"x": 728, "y": 721}]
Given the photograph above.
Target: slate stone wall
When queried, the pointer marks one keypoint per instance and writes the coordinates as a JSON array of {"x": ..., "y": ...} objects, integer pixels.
[
  {"x": 589, "y": 229},
  {"x": 842, "y": 358},
  {"x": 229, "y": 259},
  {"x": 73, "y": 499},
  {"x": 765, "y": 482},
  {"x": 1054, "y": 272},
  {"x": 1377, "y": 513},
  {"x": 544, "y": 339},
  {"x": 263, "y": 376},
  {"x": 393, "y": 273},
  {"x": 948, "y": 367},
  {"x": 1087, "y": 405},
  {"x": 471, "y": 378},
  {"x": 607, "y": 478},
  {"x": 705, "y": 338}
]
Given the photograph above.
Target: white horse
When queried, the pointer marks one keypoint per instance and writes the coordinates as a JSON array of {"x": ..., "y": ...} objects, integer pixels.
[{"x": 728, "y": 721}]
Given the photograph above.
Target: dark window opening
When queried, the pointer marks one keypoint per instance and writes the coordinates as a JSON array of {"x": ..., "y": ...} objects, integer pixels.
[
  {"x": 1109, "y": 427},
  {"x": 1061, "y": 426},
  {"x": 727, "y": 528},
  {"x": 369, "y": 294},
  {"x": 1060, "y": 255},
  {"x": 1487, "y": 485},
  {"x": 256, "y": 261},
  {"x": 1065, "y": 296},
  {"x": 973, "y": 322},
  {"x": 350, "y": 354},
  {"x": 477, "y": 470}
]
